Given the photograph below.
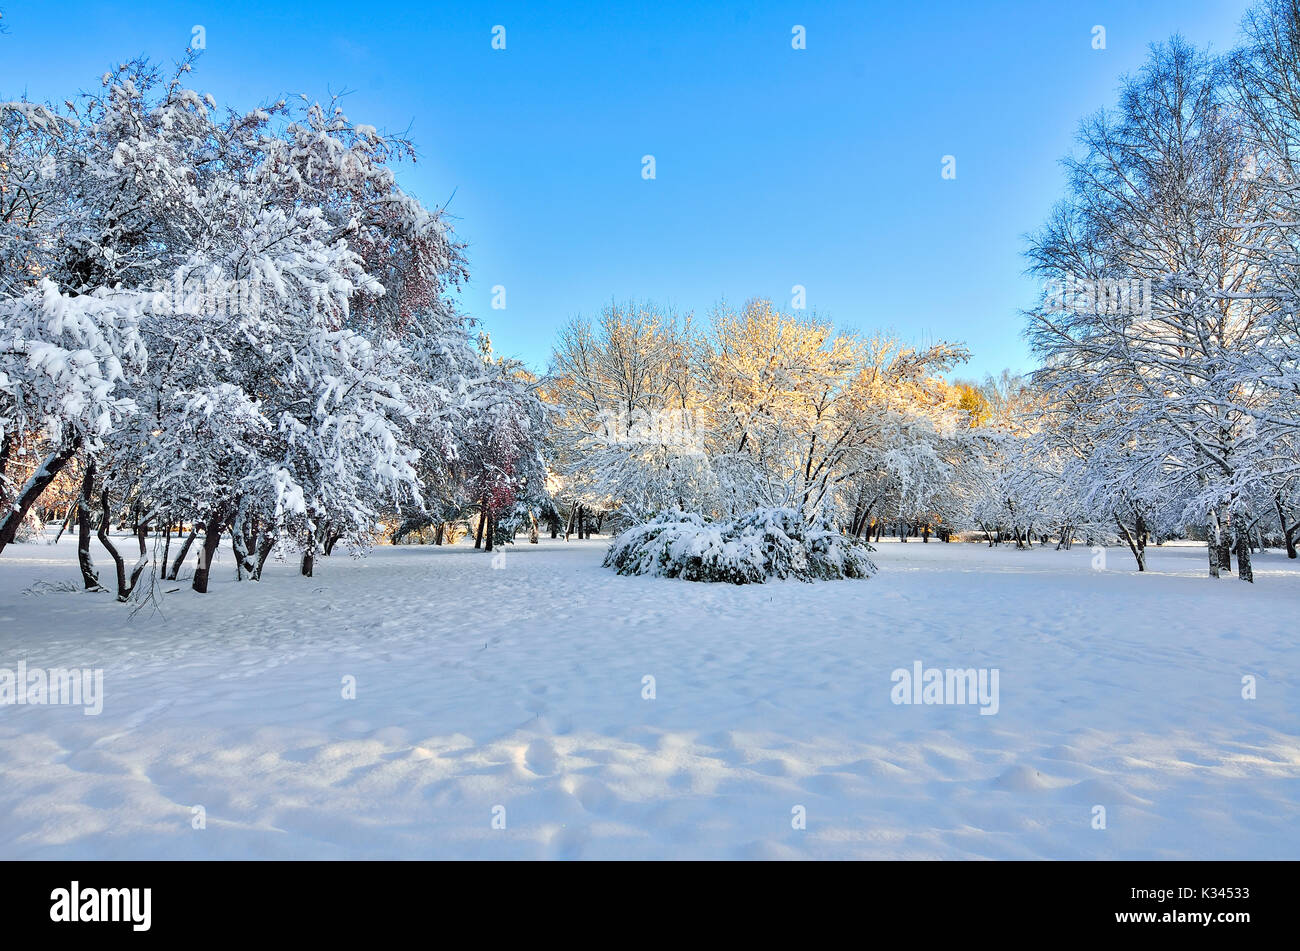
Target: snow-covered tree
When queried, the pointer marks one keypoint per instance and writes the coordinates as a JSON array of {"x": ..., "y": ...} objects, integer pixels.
[
  {"x": 239, "y": 321},
  {"x": 1160, "y": 294}
]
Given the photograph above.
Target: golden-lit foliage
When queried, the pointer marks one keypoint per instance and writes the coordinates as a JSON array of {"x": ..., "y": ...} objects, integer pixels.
[
  {"x": 783, "y": 400},
  {"x": 968, "y": 399}
]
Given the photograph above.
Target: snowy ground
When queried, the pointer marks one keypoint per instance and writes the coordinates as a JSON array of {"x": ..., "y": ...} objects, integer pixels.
[{"x": 522, "y": 688}]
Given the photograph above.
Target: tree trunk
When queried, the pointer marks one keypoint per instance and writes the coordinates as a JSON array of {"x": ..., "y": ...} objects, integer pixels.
[
  {"x": 89, "y": 576},
  {"x": 1244, "y": 570},
  {"x": 240, "y": 551},
  {"x": 69, "y": 517},
  {"x": 243, "y": 543},
  {"x": 1288, "y": 533},
  {"x": 6, "y": 449},
  {"x": 125, "y": 582},
  {"x": 142, "y": 561},
  {"x": 32, "y": 489},
  {"x": 867, "y": 522},
  {"x": 265, "y": 544},
  {"x": 1226, "y": 542},
  {"x": 1213, "y": 545},
  {"x": 1136, "y": 546},
  {"x": 185, "y": 550},
  {"x": 211, "y": 541},
  {"x": 308, "y": 566},
  {"x": 104, "y": 525},
  {"x": 482, "y": 517},
  {"x": 167, "y": 545}
]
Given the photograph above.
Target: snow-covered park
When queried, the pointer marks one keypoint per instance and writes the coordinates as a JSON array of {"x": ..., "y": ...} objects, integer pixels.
[
  {"x": 503, "y": 711},
  {"x": 677, "y": 461}
]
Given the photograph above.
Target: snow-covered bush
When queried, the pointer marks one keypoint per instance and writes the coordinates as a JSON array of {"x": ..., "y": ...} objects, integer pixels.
[
  {"x": 682, "y": 545},
  {"x": 766, "y": 543},
  {"x": 832, "y": 555}
]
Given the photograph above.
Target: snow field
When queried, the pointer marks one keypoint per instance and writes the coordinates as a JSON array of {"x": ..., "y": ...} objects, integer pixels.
[{"x": 522, "y": 687}]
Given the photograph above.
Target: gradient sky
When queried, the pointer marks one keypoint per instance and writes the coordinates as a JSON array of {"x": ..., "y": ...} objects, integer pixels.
[{"x": 775, "y": 167}]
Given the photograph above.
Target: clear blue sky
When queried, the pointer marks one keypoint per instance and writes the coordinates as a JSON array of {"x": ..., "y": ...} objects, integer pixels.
[{"x": 775, "y": 167}]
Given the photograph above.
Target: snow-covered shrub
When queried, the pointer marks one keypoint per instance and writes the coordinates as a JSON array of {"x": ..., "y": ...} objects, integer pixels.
[
  {"x": 766, "y": 543},
  {"x": 833, "y": 555},
  {"x": 789, "y": 547},
  {"x": 674, "y": 545}
]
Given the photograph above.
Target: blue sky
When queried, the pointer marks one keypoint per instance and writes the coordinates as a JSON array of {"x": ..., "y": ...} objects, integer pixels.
[{"x": 775, "y": 167}]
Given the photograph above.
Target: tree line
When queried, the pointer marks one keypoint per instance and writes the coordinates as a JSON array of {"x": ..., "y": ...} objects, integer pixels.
[{"x": 236, "y": 327}]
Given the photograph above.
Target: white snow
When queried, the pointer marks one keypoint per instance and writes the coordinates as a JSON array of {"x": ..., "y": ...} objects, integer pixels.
[{"x": 522, "y": 687}]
